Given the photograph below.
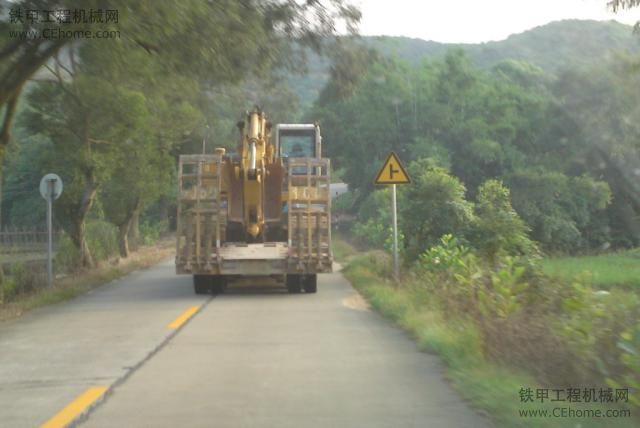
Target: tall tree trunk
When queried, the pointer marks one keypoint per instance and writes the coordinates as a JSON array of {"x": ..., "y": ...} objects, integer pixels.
[
  {"x": 125, "y": 228},
  {"x": 163, "y": 208},
  {"x": 78, "y": 236},
  {"x": 134, "y": 230},
  {"x": 124, "y": 238},
  {"x": 0, "y": 196},
  {"x": 78, "y": 229},
  {"x": 5, "y": 130}
]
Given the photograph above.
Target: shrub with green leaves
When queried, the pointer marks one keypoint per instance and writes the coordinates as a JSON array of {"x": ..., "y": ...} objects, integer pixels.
[
  {"x": 102, "y": 238},
  {"x": 498, "y": 228},
  {"x": 8, "y": 287},
  {"x": 27, "y": 277},
  {"x": 592, "y": 323},
  {"x": 504, "y": 294},
  {"x": 66, "y": 254},
  {"x": 446, "y": 255},
  {"x": 434, "y": 205},
  {"x": 150, "y": 232},
  {"x": 629, "y": 345}
]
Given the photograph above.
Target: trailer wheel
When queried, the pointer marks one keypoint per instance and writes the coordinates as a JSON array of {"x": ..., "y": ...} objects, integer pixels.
[
  {"x": 294, "y": 283},
  {"x": 310, "y": 283},
  {"x": 201, "y": 284},
  {"x": 218, "y": 283}
]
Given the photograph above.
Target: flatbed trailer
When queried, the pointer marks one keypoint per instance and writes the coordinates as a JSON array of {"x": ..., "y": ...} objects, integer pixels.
[{"x": 296, "y": 243}]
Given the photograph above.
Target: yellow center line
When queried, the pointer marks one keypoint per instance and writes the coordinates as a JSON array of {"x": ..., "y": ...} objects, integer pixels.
[
  {"x": 184, "y": 317},
  {"x": 65, "y": 416}
]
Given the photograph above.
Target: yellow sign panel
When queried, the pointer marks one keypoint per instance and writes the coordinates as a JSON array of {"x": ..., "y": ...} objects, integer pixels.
[{"x": 392, "y": 172}]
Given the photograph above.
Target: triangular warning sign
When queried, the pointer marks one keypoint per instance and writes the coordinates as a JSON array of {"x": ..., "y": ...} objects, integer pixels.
[{"x": 392, "y": 172}]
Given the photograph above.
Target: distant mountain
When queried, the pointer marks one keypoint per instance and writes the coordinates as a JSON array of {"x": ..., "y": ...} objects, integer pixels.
[{"x": 569, "y": 43}]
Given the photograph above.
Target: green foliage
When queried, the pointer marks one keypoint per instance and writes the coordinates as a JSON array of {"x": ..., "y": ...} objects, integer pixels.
[
  {"x": 150, "y": 232},
  {"x": 8, "y": 287},
  {"x": 592, "y": 323},
  {"x": 434, "y": 205},
  {"x": 567, "y": 157},
  {"x": 564, "y": 213},
  {"x": 511, "y": 303},
  {"x": 498, "y": 228},
  {"x": 462, "y": 343},
  {"x": 448, "y": 255},
  {"x": 504, "y": 295},
  {"x": 629, "y": 344},
  {"x": 66, "y": 254},
  {"x": 343, "y": 203},
  {"x": 23, "y": 278},
  {"x": 376, "y": 227},
  {"x": 103, "y": 239}
]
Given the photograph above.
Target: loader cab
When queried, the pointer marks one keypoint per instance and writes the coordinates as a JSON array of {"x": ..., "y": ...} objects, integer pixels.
[{"x": 298, "y": 141}]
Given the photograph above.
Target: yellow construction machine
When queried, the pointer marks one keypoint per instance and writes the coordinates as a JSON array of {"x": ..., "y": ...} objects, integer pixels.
[{"x": 264, "y": 210}]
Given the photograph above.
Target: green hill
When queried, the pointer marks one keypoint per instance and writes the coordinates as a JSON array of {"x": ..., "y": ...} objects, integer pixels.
[{"x": 560, "y": 44}]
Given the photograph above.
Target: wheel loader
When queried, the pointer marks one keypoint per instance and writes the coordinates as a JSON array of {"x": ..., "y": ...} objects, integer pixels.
[{"x": 264, "y": 210}]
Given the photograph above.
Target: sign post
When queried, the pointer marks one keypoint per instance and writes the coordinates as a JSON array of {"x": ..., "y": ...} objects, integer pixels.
[
  {"x": 392, "y": 172},
  {"x": 50, "y": 189}
]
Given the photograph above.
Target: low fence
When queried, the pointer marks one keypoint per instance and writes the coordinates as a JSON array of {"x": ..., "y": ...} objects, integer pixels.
[
  {"x": 23, "y": 260},
  {"x": 15, "y": 241}
]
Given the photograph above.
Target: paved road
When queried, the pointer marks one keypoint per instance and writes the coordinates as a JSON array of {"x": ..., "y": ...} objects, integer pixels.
[{"x": 254, "y": 357}]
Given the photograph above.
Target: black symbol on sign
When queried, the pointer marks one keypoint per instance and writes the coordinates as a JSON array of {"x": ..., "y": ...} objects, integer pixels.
[{"x": 392, "y": 171}]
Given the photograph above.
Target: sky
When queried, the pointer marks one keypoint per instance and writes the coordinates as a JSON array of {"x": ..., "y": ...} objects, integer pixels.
[{"x": 475, "y": 21}]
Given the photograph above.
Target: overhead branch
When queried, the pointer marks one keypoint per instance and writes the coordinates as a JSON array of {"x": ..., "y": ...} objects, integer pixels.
[
  {"x": 33, "y": 58},
  {"x": 5, "y": 132}
]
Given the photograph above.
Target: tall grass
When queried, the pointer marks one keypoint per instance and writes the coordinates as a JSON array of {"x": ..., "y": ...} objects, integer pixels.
[
  {"x": 605, "y": 271},
  {"x": 490, "y": 385}
]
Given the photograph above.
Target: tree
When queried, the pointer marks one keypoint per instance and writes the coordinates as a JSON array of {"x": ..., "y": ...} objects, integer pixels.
[
  {"x": 189, "y": 38},
  {"x": 616, "y": 5},
  {"x": 86, "y": 119},
  {"x": 498, "y": 228},
  {"x": 432, "y": 206},
  {"x": 622, "y": 4},
  {"x": 144, "y": 166},
  {"x": 564, "y": 213},
  {"x": 599, "y": 106}
]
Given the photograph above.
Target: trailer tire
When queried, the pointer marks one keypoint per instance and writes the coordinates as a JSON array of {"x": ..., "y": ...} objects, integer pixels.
[
  {"x": 294, "y": 283},
  {"x": 217, "y": 284},
  {"x": 310, "y": 283},
  {"x": 201, "y": 284}
]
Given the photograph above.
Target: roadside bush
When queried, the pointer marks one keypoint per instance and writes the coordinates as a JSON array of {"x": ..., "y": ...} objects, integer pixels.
[
  {"x": 150, "y": 232},
  {"x": 27, "y": 277},
  {"x": 374, "y": 219},
  {"x": 66, "y": 254},
  {"x": 498, "y": 227},
  {"x": 372, "y": 232},
  {"x": 434, "y": 205},
  {"x": 593, "y": 322},
  {"x": 8, "y": 287},
  {"x": 9, "y": 290},
  {"x": 102, "y": 238},
  {"x": 446, "y": 255},
  {"x": 504, "y": 293},
  {"x": 343, "y": 202},
  {"x": 452, "y": 274},
  {"x": 629, "y": 344}
]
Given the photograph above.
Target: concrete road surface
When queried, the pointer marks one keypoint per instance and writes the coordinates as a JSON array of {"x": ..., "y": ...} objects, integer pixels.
[{"x": 253, "y": 357}]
